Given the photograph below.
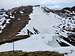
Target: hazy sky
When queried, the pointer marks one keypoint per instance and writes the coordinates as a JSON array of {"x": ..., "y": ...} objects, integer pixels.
[{"x": 53, "y": 3}]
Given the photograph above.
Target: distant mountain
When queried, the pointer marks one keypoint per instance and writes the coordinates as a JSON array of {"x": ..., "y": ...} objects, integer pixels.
[{"x": 64, "y": 12}]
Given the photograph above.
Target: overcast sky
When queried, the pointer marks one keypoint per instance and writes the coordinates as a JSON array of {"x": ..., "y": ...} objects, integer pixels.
[{"x": 54, "y": 3}]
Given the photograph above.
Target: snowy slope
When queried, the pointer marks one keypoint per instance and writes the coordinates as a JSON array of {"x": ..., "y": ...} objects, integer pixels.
[
  {"x": 29, "y": 44},
  {"x": 42, "y": 21}
]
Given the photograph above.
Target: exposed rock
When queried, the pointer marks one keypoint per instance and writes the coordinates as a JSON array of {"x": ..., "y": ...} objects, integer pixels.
[{"x": 19, "y": 18}]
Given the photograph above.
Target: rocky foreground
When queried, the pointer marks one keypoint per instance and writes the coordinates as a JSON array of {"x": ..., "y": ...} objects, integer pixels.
[{"x": 37, "y": 53}]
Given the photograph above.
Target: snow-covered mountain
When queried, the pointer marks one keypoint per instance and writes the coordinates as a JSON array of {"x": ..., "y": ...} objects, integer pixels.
[
  {"x": 42, "y": 24},
  {"x": 43, "y": 29}
]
